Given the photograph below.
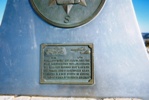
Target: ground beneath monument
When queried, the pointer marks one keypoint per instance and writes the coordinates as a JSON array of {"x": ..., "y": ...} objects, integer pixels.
[{"x": 58, "y": 98}]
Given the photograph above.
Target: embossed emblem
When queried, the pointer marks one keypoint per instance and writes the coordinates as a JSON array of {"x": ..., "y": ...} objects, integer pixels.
[
  {"x": 67, "y": 4},
  {"x": 67, "y": 13}
]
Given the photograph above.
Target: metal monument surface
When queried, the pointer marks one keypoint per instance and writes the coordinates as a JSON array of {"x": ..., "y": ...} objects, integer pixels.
[
  {"x": 121, "y": 65},
  {"x": 67, "y": 64},
  {"x": 67, "y": 13}
]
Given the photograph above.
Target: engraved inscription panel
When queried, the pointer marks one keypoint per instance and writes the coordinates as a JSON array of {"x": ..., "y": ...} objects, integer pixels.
[{"x": 67, "y": 64}]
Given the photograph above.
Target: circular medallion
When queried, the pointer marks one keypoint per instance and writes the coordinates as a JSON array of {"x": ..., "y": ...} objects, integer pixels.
[{"x": 67, "y": 13}]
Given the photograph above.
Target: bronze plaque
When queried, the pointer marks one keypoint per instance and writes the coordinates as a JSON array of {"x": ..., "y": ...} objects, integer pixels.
[
  {"x": 67, "y": 13},
  {"x": 67, "y": 64}
]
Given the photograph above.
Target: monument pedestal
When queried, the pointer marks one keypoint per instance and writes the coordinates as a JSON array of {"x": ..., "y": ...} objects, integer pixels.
[{"x": 121, "y": 65}]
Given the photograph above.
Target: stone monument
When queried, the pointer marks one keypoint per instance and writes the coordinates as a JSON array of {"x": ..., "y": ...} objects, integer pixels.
[{"x": 101, "y": 56}]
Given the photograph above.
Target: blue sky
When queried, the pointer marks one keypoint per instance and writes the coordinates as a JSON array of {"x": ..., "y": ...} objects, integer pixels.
[
  {"x": 141, "y": 8},
  {"x": 2, "y": 7},
  {"x": 142, "y": 12}
]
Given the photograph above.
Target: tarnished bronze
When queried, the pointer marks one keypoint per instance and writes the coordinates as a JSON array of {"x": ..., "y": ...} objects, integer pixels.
[
  {"x": 67, "y": 13},
  {"x": 67, "y": 64}
]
